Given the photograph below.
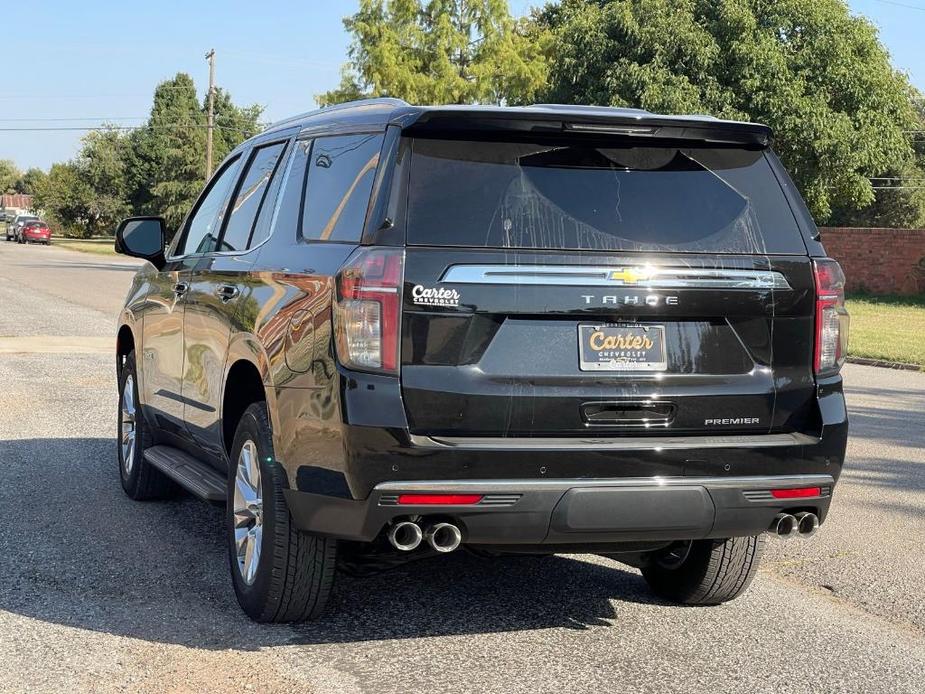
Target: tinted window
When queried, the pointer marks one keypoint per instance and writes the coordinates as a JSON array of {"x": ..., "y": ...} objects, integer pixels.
[
  {"x": 202, "y": 230},
  {"x": 250, "y": 197},
  {"x": 289, "y": 203},
  {"x": 519, "y": 195},
  {"x": 340, "y": 179}
]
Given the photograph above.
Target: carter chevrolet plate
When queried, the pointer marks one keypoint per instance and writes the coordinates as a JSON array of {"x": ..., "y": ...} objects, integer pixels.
[{"x": 618, "y": 347}]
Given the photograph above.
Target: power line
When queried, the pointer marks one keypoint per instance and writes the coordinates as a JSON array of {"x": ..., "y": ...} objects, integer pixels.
[
  {"x": 57, "y": 120},
  {"x": 902, "y": 4},
  {"x": 93, "y": 96},
  {"x": 167, "y": 126}
]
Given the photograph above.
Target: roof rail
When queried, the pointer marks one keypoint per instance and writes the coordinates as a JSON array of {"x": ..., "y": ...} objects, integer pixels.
[{"x": 381, "y": 100}]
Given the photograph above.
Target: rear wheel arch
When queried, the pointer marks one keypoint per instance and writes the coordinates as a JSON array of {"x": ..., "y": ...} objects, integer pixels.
[{"x": 243, "y": 387}]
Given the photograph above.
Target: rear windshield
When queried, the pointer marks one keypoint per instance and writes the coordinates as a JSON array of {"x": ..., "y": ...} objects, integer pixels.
[{"x": 577, "y": 196}]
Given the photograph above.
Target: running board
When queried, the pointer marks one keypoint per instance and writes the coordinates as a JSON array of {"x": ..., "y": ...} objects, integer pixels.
[{"x": 192, "y": 474}]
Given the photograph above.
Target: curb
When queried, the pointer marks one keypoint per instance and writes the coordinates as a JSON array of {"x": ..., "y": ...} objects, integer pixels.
[{"x": 884, "y": 364}]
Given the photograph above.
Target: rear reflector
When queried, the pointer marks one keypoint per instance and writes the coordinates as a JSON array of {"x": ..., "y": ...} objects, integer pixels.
[
  {"x": 439, "y": 499},
  {"x": 801, "y": 493}
]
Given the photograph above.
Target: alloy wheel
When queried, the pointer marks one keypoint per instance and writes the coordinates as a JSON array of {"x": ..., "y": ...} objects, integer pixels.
[
  {"x": 127, "y": 424},
  {"x": 248, "y": 511}
]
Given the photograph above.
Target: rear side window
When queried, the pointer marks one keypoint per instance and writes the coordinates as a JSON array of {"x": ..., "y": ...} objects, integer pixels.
[
  {"x": 338, "y": 185},
  {"x": 288, "y": 205},
  {"x": 585, "y": 197},
  {"x": 250, "y": 197}
]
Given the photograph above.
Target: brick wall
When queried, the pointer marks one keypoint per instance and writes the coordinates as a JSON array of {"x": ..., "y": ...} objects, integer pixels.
[{"x": 880, "y": 261}]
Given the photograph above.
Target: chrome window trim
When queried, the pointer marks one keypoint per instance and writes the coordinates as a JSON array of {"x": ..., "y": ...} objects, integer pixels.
[{"x": 650, "y": 277}]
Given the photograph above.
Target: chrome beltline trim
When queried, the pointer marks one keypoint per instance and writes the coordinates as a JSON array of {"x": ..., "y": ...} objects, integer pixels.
[
  {"x": 522, "y": 485},
  {"x": 636, "y": 443},
  {"x": 639, "y": 276}
]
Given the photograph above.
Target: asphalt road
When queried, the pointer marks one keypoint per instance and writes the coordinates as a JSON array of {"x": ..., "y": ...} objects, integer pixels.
[{"x": 101, "y": 593}]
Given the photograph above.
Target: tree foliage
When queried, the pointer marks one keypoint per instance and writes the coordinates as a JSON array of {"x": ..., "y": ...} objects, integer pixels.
[
  {"x": 29, "y": 182},
  {"x": 9, "y": 175},
  {"x": 818, "y": 75},
  {"x": 86, "y": 196},
  {"x": 442, "y": 52},
  {"x": 64, "y": 196},
  {"x": 158, "y": 169}
]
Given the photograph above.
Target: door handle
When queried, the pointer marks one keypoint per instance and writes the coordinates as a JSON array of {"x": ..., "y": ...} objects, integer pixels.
[
  {"x": 180, "y": 288},
  {"x": 227, "y": 292}
]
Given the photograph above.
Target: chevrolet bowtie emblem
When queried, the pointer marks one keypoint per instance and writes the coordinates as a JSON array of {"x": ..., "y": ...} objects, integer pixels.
[{"x": 629, "y": 275}]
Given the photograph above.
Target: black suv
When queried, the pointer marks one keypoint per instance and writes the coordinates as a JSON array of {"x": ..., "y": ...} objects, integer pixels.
[{"x": 388, "y": 331}]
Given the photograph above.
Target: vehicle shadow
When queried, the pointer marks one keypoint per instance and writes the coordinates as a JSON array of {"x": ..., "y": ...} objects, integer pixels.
[
  {"x": 903, "y": 475},
  {"x": 887, "y": 413},
  {"x": 77, "y": 552}
]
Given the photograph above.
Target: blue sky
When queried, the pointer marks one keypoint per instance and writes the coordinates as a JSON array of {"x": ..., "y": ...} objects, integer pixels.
[{"x": 97, "y": 59}]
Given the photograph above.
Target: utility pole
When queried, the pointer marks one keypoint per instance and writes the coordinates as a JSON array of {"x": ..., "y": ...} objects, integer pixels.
[{"x": 210, "y": 56}]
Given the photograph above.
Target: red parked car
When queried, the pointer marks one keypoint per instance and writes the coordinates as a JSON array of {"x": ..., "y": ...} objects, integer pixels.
[{"x": 35, "y": 232}]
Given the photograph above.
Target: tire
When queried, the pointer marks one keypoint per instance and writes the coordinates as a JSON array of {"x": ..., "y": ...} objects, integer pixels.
[
  {"x": 712, "y": 572},
  {"x": 293, "y": 573},
  {"x": 140, "y": 479}
]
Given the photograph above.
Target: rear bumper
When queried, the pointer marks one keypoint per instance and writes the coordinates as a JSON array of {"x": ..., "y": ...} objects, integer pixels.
[{"x": 573, "y": 511}]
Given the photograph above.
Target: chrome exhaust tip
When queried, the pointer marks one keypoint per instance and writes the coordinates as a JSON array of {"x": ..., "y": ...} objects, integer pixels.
[
  {"x": 443, "y": 537},
  {"x": 784, "y": 525},
  {"x": 807, "y": 523},
  {"x": 405, "y": 535}
]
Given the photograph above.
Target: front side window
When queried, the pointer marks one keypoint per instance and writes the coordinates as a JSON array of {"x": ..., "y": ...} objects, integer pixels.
[
  {"x": 250, "y": 197},
  {"x": 338, "y": 186},
  {"x": 203, "y": 227}
]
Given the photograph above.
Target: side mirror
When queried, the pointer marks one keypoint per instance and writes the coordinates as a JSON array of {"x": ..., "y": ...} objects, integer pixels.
[{"x": 142, "y": 237}]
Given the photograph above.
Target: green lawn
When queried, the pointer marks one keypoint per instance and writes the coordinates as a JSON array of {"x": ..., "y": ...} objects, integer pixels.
[
  {"x": 101, "y": 246},
  {"x": 887, "y": 327}
]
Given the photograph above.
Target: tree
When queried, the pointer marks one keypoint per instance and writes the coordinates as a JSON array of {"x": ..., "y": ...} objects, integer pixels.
[
  {"x": 29, "y": 182},
  {"x": 66, "y": 197},
  {"x": 818, "y": 75},
  {"x": 233, "y": 124},
  {"x": 169, "y": 152},
  {"x": 9, "y": 175},
  {"x": 165, "y": 159},
  {"x": 442, "y": 51},
  {"x": 101, "y": 165}
]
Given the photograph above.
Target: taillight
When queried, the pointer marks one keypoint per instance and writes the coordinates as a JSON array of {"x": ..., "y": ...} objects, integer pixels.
[
  {"x": 831, "y": 345},
  {"x": 367, "y": 309}
]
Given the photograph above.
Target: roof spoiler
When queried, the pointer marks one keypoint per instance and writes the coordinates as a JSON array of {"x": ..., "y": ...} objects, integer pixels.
[{"x": 588, "y": 120}]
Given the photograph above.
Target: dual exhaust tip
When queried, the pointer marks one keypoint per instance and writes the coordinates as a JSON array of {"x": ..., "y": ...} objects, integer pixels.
[
  {"x": 787, "y": 525},
  {"x": 408, "y": 535}
]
